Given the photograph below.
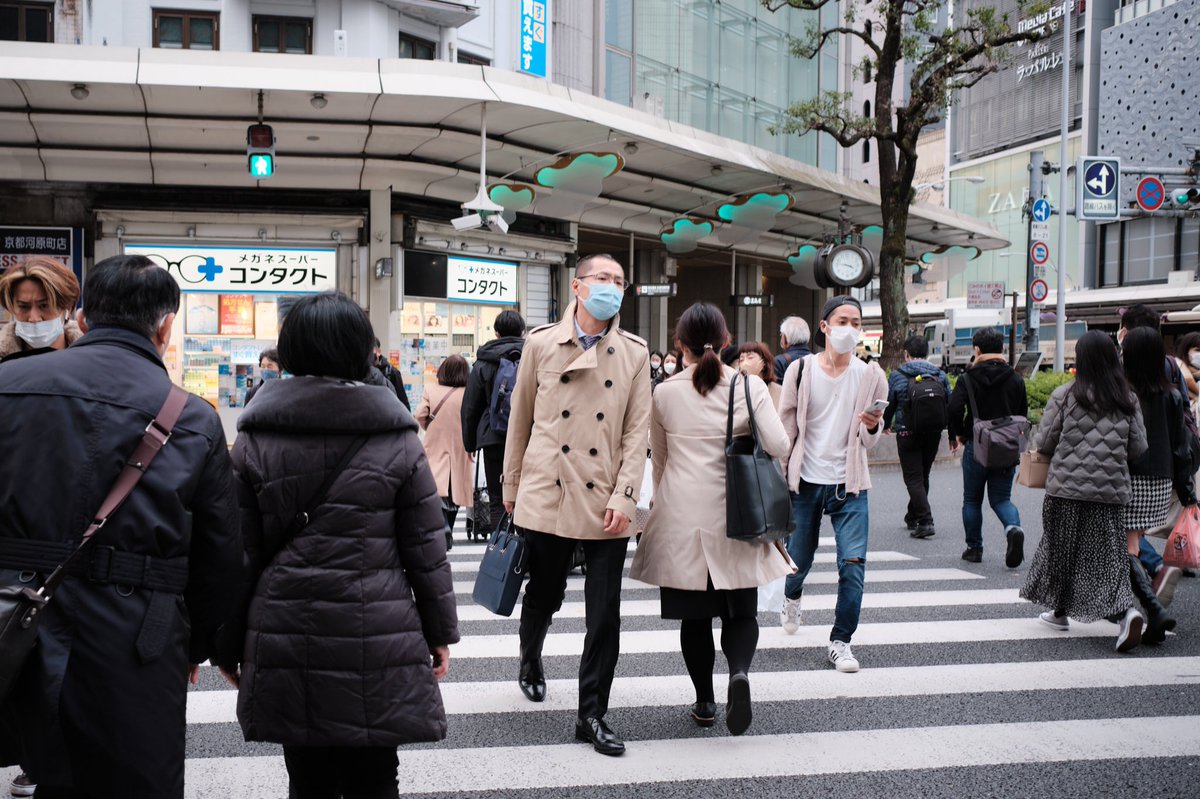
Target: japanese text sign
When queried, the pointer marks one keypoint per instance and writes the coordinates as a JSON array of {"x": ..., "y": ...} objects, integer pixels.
[
  {"x": 267, "y": 270},
  {"x": 489, "y": 282},
  {"x": 534, "y": 38}
]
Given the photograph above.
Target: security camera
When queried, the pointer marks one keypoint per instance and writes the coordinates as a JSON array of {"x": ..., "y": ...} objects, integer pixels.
[
  {"x": 496, "y": 222},
  {"x": 467, "y": 222}
]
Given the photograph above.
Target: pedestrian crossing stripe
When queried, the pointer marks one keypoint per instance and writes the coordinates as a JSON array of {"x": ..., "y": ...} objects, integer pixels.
[{"x": 461, "y": 568}]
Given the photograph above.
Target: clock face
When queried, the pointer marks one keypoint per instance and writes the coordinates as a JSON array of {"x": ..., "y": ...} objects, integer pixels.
[{"x": 847, "y": 266}]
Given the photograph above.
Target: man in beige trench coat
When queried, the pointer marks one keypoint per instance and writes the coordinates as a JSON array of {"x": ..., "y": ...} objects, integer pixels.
[{"x": 573, "y": 463}]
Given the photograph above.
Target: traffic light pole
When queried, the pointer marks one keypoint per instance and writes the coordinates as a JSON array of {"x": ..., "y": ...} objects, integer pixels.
[
  {"x": 1036, "y": 159},
  {"x": 1060, "y": 295}
]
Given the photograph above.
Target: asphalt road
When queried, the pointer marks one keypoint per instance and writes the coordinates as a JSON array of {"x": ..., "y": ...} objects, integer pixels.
[{"x": 961, "y": 694}]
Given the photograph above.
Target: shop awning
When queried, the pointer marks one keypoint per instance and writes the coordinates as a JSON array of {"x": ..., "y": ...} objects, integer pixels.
[{"x": 179, "y": 118}]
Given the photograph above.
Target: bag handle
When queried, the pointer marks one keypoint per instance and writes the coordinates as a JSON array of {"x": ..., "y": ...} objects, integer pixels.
[
  {"x": 449, "y": 394},
  {"x": 154, "y": 438},
  {"x": 749, "y": 410}
]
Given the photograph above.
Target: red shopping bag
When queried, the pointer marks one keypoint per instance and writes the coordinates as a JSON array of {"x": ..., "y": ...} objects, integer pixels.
[{"x": 1183, "y": 547}]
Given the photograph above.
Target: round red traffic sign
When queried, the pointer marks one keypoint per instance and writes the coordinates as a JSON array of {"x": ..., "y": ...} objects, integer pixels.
[
  {"x": 1151, "y": 194},
  {"x": 1039, "y": 252},
  {"x": 1038, "y": 290}
]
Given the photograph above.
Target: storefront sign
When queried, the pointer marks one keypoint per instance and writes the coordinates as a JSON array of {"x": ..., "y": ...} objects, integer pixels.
[
  {"x": 752, "y": 300},
  {"x": 269, "y": 270},
  {"x": 60, "y": 243},
  {"x": 656, "y": 289},
  {"x": 989, "y": 294},
  {"x": 535, "y": 37},
  {"x": 473, "y": 280}
]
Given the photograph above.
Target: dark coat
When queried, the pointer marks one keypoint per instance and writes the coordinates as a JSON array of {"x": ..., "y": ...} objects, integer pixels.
[
  {"x": 998, "y": 389},
  {"x": 343, "y": 617},
  {"x": 477, "y": 431},
  {"x": 393, "y": 376},
  {"x": 796, "y": 352},
  {"x": 112, "y": 659}
]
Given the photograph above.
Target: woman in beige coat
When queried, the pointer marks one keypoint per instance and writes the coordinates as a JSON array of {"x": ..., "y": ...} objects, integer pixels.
[
  {"x": 684, "y": 549},
  {"x": 440, "y": 416}
]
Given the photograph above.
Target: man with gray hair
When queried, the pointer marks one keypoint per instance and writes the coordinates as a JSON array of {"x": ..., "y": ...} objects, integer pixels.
[{"x": 793, "y": 341}]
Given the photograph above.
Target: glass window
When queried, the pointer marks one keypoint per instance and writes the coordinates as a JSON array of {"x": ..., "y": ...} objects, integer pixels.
[
  {"x": 1138, "y": 235},
  {"x": 26, "y": 22},
  {"x": 283, "y": 35},
  {"x": 469, "y": 58},
  {"x": 1111, "y": 268},
  {"x": 186, "y": 30},
  {"x": 737, "y": 45},
  {"x": 618, "y": 23},
  {"x": 1189, "y": 245},
  {"x": 618, "y": 77},
  {"x": 421, "y": 49}
]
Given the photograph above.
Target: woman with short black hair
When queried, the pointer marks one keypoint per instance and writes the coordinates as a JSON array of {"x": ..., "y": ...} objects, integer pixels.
[{"x": 334, "y": 490}]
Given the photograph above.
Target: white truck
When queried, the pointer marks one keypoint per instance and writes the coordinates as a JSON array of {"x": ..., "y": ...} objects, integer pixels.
[{"x": 950, "y": 344}]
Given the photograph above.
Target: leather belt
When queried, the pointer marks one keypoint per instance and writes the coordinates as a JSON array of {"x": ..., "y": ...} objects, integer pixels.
[{"x": 103, "y": 565}]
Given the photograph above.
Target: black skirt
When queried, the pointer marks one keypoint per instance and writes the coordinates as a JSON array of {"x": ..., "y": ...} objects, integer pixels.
[{"x": 731, "y": 603}]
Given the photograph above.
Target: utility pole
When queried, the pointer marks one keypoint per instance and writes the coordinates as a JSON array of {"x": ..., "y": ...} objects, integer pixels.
[
  {"x": 1060, "y": 307},
  {"x": 1036, "y": 159}
]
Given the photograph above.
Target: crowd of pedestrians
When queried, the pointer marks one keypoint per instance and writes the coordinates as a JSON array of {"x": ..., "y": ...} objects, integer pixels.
[{"x": 310, "y": 563}]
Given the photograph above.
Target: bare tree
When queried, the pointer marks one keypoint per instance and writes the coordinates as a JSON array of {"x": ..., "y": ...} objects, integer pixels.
[{"x": 939, "y": 61}]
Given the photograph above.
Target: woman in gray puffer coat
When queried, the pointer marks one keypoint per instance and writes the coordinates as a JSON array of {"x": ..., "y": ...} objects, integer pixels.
[
  {"x": 352, "y": 612},
  {"x": 1091, "y": 428}
]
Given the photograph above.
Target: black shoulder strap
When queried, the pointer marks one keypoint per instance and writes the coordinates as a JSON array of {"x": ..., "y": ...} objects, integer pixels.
[
  {"x": 971, "y": 397},
  {"x": 799, "y": 374},
  {"x": 318, "y": 497}
]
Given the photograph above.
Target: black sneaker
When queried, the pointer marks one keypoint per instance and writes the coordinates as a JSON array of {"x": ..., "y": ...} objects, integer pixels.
[
  {"x": 923, "y": 531},
  {"x": 909, "y": 523},
  {"x": 1016, "y": 547},
  {"x": 973, "y": 554}
]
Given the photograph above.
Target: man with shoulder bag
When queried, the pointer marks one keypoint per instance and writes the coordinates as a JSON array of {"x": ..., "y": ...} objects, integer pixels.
[
  {"x": 100, "y": 699},
  {"x": 989, "y": 403}
]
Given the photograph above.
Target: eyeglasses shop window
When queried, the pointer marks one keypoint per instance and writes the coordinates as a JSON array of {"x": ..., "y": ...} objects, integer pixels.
[
  {"x": 186, "y": 30},
  {"x": 26, "y": 22}
]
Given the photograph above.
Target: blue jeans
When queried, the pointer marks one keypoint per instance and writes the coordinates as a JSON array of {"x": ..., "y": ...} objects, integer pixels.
[
  {"x": 848, "y": 512},
  {"x": 1148, "y": 555},
  {"x": 999, "y": 490}
]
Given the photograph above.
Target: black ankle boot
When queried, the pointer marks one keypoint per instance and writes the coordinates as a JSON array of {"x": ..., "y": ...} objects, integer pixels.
[
  {"x": 1157, "y": 619},
  {"x": 532, "y": 678}
]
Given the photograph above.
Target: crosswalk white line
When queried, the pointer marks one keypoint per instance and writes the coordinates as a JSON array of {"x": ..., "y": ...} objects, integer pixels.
[
  {"x": 464, "y": 567},
  {"x": 477, "y": 548},
  {"x": 889, "y": 599},
  {"x": 879, "y": 634},
  {"x": 717, "y": 756},
  {"x": 461, "y": 698},
  {"x": 575, "y": 583}
]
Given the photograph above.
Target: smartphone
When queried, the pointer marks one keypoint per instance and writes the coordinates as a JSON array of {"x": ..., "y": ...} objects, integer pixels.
[{"x": 877, "y": 406}]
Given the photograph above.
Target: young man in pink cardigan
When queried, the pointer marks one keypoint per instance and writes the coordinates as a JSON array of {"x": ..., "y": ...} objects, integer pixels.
[{"x": 832, "y": 406}]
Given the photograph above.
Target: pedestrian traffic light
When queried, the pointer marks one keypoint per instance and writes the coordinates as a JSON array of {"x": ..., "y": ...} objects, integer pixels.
[
  {"x": 260, "y": 151},
  {"x": 1186, "y": 197}
]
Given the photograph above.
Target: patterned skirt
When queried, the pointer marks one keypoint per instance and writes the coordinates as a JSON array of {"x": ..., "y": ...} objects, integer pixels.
[
  {"x": 1081, "y": 566},
  {"x": 1150, "y": 504}
]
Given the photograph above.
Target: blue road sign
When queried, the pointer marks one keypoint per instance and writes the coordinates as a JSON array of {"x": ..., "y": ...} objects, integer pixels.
[
  {"x": 1151, "y": 194},
  {"x": 1041, "y": 210},
  {"x": 1097, "y": 189}
]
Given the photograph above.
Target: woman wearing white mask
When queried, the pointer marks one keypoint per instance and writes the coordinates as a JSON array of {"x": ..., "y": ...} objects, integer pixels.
[
  {"x": 670, "y": 364},
  {"x": 39, "y": 293},
  {"x": 1187, "y": 355}
]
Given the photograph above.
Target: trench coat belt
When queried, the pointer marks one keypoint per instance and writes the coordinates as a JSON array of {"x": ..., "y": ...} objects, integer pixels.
[{"x": 165, "y": 578}]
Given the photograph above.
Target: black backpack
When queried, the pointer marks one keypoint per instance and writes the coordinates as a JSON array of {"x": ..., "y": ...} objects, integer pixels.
[
  {"x": 927, "y": 404},
  {"x": 500, "y": 405}
]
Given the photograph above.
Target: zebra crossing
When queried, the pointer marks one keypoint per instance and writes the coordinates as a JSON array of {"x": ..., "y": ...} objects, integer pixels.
[{"x": 962, "y": 693}]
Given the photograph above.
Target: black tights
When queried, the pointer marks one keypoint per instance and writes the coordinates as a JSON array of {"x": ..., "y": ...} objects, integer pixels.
[{"x": 739, "y": 637}]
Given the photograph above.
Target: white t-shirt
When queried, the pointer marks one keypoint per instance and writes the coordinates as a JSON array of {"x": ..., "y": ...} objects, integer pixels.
[{"x": 831, "y": 407}]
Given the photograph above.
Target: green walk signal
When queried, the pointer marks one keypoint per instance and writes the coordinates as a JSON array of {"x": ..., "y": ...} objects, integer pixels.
[
  {"x": 1186, "y": 197},
  {"x": 262, "y": 165},
  {"x": 260, "y": 151}
]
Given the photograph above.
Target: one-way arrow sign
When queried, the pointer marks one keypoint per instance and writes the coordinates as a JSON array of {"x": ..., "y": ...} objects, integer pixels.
[{"x": 1098, "y": 189}]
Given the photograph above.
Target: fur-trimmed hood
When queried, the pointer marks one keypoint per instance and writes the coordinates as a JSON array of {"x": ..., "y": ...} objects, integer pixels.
[{"x": 10, "y": 343}]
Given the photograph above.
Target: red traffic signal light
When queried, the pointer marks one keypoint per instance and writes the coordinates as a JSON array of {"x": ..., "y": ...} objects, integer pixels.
[{"x": 260, "y": 137}]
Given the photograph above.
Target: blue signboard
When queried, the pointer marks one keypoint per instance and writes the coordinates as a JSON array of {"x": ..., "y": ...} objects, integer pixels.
[
  {"x": 1041, "y": 210},
  {"x": 534, "y": 42}
]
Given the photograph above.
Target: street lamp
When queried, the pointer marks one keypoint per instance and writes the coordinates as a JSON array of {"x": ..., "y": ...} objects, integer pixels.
[{"x": 941, "y": 184}]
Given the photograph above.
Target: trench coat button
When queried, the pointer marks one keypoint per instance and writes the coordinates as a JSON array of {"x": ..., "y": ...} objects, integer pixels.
[
  {"x": 611, "y": 350},
  {"x": 566, "y": 378},
  {"x": 566, "y": 448},
  {"x": 608, "y": 384},
  {"x": 566, "y": 414},
  {"x": 600, "y": 416},
  {"x": 558, "y": 483},
  {"x": 591, "y": 485},
  {"x": 593, "y": 451}
]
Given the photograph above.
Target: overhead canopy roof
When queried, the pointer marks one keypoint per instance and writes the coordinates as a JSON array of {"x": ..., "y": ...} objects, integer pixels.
[{"x": 178, "y": 117}]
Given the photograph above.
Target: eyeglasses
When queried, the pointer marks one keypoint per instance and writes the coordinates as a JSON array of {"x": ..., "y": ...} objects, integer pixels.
[{"x": 608, "y": 280}]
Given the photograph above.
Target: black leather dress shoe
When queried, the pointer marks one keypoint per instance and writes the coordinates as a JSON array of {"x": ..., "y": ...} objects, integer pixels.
[
  {"x": 597, "y": 733},
  {"x": 534, "y": 688},
  {"x": 704, "y": 713}
]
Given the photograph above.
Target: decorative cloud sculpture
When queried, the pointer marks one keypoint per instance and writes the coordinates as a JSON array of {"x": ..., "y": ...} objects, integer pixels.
[
  {"x": 684, "y": 234},
  {"x": 803, "y": 263},
  {"x": 751, "y": 213},
  {"x": 946, "y": 262},
  {"x": 512, "y": 197},
  {"x": 576, "y": 179}
]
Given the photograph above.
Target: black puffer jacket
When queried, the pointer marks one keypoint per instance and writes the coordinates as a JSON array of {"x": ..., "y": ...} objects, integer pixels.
[
  {"x": 342, "y": 619},
  {"x": 477, "y": 429}
]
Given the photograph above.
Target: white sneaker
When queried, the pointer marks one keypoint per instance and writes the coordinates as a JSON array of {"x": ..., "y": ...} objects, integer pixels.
[
  {"x": 842, "y": 658},
  {"x": 1050, "y": 619},
  {"x": 789, "y": 617},
  {"x": 22, "y": 786}
]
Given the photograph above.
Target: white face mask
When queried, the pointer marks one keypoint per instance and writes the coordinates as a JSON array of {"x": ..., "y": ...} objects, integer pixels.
[
  {"x": 40, "y": 334},
  {"x": 669, "y": 368},
  {"x": 655, "y": 364},
  {"x": 1194, "y": 359},
  {"x": 843, "y": 339}
]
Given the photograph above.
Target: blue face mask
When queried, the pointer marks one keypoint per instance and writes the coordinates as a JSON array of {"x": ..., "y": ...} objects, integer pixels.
[{"x": 603, "y": 301}]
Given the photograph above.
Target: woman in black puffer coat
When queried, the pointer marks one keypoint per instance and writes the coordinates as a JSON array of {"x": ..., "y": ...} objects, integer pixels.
[{"x": 348, "y": 627}]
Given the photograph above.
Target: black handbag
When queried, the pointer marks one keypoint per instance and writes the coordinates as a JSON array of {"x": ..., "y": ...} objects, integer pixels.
[
  {"x": 502, "y": 569},
  {"x": 21, "y": 606},
  {"x": 481, "y": 508},
  {"x": 758, "y": 507}
]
